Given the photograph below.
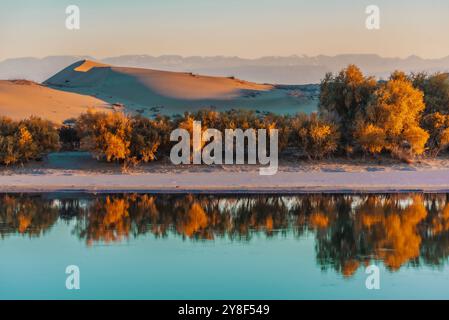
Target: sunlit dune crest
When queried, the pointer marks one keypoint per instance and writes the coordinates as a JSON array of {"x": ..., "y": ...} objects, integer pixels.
[
  {"x": 88, "y": 65},
  {"x": 124, "y": 82}
]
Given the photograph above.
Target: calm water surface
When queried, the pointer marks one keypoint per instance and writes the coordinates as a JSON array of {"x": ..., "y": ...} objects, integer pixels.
[{"x": 220, "y": 247}]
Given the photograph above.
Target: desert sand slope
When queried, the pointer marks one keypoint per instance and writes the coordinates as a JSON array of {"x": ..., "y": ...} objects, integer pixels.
[
  {"x": 150, "y": 91},
  {"x": 21, "y": 99}
]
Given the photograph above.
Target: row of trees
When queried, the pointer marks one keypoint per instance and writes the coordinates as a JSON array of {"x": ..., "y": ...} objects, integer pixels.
[
  {"x": 405, "y": 117},
  {"x": 116, "y": 137},
  {"x": 130, "y": 140}
]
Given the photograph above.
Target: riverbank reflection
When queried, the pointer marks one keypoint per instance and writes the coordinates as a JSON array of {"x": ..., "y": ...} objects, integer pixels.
[{"x": 350, "y": 231}]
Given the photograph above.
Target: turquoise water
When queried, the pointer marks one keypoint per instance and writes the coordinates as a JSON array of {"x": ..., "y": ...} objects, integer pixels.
[{"x": 224, "y": 247}]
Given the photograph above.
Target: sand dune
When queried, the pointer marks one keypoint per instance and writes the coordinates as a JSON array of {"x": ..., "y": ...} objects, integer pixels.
[
  {"x": 150, "y": 91},
  {"x": 88, "y": 84},
  {"x": 22, "y": 99},
  {"x": 168, "y": 84}
]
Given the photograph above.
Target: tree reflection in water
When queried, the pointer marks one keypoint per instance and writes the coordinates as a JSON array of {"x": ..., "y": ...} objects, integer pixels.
[{"x": 350, "y": 230}]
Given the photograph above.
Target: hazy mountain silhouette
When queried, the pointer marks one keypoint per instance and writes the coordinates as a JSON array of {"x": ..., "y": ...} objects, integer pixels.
[{"x": 281, "y": 70}]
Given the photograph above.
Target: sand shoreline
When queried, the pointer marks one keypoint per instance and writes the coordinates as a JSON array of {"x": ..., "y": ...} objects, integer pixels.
[
  {"x": 230, "y": 182},
  {"x": 79, "y": 172},
  {"x": 226, "y": 192}
]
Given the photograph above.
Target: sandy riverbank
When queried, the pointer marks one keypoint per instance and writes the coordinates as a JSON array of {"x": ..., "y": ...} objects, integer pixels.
[
  {"x": 78, "y": 172},
  {"x": 283, "y": 182}
]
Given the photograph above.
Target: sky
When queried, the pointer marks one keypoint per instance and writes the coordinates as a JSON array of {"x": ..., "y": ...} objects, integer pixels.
[{"x": 244, "y": 28}]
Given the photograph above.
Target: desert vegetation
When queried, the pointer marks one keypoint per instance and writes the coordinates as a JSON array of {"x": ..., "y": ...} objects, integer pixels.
[
  {"x": 117, "y": 137},
  {"x": 30, "y": 139},
  {"x": 131, "y": 140},
  {"x": 404, "y": 117}
]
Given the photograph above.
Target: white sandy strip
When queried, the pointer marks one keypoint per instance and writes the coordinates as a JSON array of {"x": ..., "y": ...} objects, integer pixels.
[{"x": 426, "y": 180}]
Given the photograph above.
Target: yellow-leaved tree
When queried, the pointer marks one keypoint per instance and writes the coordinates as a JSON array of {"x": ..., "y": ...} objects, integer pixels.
[
  {"x": 120, "y": 138},
  {"x": 26, "y": 140},
  {"x": 315, "y": 137},
  {"x": 343, "y": 97},
  {"x": 396, "y": 109},
  {"x": 106, "y": 135}
]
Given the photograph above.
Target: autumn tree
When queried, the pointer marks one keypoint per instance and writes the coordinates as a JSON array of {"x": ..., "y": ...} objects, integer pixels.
[
  {"x": 43, "y": 133},
  {"x": 437, "y": 125},
  {"x": 163, "y": 125},
  {"x": 106, "y": 135},
  {"x": 8, "y": 141},
  {"x": 121, "y": 138},
  {"x": 436, "y": 114},
  {"x": 343, "y": 97},
  {"x": 396, "y": 109},
  {"x": 26, "y": 140},
  {"x": 146, "y": 138},
  {"x": 436, "y": 91},
  {"x": 316, "y": 138}
]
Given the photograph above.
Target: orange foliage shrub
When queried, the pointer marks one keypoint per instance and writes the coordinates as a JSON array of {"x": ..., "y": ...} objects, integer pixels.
[{"x": 26, "y": 140}]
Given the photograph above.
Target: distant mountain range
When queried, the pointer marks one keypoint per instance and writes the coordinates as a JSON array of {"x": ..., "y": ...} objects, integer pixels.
[{"x": 276, "y": 70}]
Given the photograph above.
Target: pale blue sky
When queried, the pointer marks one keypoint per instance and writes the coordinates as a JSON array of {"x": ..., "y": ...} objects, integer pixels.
[{"x": 246, "y": 28}]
